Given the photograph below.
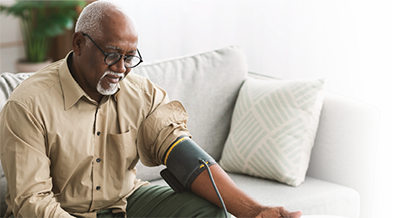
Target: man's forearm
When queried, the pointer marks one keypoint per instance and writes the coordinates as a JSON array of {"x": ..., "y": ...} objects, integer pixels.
[
  {"x": 38, "y": 206},
  {"x": 236, "y": 201}
]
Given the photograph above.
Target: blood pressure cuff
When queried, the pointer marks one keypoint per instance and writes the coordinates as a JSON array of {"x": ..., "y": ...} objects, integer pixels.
[{"x": 182, "y": 159}]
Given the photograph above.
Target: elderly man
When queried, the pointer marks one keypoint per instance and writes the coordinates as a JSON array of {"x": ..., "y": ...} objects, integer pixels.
[{"x": 74, "y": 131}]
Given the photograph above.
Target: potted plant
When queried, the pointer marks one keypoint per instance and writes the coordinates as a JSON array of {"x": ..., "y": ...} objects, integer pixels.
[{"x": 40, "y": 21}]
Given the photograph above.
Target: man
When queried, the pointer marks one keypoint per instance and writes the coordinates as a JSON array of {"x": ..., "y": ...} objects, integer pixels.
[{"x": 74, "y": 131}]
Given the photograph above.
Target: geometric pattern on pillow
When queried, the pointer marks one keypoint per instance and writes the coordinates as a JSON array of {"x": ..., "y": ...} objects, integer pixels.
[{"x": 273, "y": 129}]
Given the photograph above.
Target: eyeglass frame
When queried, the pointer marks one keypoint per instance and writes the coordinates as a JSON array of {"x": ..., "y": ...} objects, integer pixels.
[{"x": 120, "y": 55}]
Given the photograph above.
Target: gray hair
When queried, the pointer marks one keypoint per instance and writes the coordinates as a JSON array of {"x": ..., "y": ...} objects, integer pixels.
[{"x": 90, "y": 19}]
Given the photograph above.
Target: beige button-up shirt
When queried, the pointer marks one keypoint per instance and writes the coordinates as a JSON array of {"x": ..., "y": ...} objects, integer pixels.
[{"x": 63, "y": 153}]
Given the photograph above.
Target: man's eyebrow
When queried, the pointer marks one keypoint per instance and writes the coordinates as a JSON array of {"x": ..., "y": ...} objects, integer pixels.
[
  {"x": 113, "y": 47},
  {"x": 118, "y": 48}
]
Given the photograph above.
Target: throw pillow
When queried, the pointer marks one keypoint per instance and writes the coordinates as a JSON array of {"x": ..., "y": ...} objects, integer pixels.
[{"x": 273, "y": 128}]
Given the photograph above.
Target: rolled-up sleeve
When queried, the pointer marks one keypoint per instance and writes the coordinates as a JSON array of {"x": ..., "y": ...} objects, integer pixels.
[
  {"x": 163, "y": 126},
  {"x": 26, "y": 165}
]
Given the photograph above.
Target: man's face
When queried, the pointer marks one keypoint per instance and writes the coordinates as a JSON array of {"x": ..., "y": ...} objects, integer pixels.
[{"x": 118, "y": 36}]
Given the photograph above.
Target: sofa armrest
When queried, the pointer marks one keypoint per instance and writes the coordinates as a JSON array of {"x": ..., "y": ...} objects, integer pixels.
[
  {"x": 350, "y": 147},
  {"x": 345, "y": 146}
]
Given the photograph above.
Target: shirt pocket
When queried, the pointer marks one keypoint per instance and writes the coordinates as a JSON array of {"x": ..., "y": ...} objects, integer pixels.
[{"x": 122, "y": 153}]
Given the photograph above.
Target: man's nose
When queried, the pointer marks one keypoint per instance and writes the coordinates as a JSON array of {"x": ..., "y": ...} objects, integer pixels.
[{"x": 119, "y": 67}]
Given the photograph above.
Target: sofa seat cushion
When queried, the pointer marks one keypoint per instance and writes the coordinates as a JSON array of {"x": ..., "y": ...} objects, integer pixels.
[{"x": 314, "y": 196}]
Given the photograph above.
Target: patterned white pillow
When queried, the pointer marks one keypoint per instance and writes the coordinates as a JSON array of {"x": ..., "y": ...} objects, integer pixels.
[{"x": 273, "y": 128}]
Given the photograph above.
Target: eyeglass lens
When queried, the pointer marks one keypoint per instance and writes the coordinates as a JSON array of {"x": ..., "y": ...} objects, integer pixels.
[{"x": 114, "y": 57}]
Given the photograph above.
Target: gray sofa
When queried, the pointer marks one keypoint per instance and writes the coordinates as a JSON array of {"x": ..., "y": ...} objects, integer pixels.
[{"x": 340, "y": 177}]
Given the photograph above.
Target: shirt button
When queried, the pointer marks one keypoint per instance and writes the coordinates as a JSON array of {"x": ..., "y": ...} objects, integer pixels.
[
  {"x": 98, "y": 133},
  {"x": 98, "y": 160},
  {"x": 98, "y": 188}
]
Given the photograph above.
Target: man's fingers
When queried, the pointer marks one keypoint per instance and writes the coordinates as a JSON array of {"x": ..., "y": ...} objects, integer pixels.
[
  {"x": 296, "y": 214},
  {"x": 286, "y": 214},
  {"x": 278, "y": 212}
]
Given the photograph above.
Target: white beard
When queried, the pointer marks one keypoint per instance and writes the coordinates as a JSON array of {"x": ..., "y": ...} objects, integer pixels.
[{"x": 113, "y": 87}]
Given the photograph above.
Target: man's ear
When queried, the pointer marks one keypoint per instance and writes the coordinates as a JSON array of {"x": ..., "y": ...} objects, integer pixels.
[{"x": 78, "y": 41}]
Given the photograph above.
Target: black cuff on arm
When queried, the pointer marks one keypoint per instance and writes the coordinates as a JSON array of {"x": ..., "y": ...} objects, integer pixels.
[{"x": 182, "y": 160}]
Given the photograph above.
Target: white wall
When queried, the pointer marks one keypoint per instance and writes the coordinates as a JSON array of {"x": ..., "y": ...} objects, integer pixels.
[
  {"x": 11, "y": 47},
  {"x": 349, "y": 42}
]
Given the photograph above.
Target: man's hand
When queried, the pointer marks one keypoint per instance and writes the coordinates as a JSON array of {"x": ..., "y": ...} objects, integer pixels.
[{"x": 278, "y": 212}]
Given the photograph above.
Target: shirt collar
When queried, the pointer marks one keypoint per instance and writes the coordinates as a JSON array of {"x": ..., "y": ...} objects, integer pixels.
[{"x": 72, "y": 92}]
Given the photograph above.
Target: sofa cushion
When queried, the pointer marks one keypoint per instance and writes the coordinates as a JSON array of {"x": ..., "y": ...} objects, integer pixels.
[
  {"x": 208, "y": 85},
  {"x": 314, "y": 196},
  {"x": 273, "y": 129}
]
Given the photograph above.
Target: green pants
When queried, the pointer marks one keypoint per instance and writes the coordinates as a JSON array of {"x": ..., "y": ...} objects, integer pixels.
[{"x": 162, "y": 201}]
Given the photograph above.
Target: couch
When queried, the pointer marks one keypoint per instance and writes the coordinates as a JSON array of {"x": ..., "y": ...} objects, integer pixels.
[{"x": 340, "y": 176}]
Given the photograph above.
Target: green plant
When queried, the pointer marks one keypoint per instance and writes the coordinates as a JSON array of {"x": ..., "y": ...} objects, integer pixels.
[{"x": 41, "y": 21}]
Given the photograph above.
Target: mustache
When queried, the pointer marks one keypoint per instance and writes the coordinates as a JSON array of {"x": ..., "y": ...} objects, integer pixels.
[{"x": 121, "y": 75}]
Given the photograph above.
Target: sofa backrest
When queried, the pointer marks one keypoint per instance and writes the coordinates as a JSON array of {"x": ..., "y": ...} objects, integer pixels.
[
  {"x": 8, "y": 82},
  {"x": 207, "y": 84}
]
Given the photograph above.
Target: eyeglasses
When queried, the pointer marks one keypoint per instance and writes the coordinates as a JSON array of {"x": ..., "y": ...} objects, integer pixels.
[{"x": 130, "y": 61}]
